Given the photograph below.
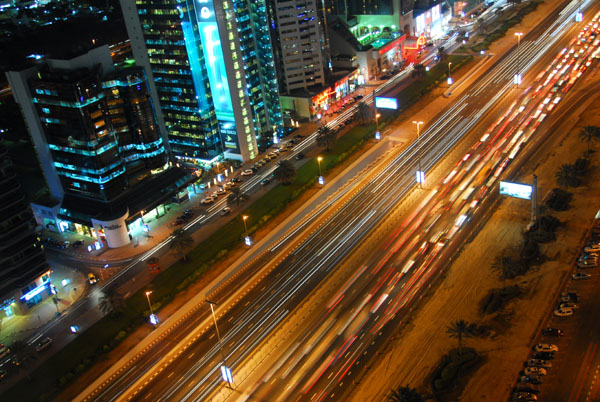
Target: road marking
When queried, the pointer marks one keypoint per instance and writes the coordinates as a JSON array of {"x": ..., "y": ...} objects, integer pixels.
[
  {"x": 171, "y": 375},
  {"x": 583, "y": 371},
  {"x": 192, "y": 355}
]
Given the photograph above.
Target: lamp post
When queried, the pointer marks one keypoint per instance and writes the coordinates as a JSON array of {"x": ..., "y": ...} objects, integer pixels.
[
  {"x": 449, "y": 71},
  {"x": 149, "y": 304},
  {"x": 518, "y": 78},
  {"x": 245, "y": 227},
  {"x": 419, "y": 172},
  {"x": 212, "y": 309},
  {"x": 377, "y": 134},
  {"x": 321, "y": 181}
]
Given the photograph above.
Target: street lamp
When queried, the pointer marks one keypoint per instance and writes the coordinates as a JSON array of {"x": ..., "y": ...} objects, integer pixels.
[
  {"x": 321, "y": 180},
  {"x": 212, "y": 304},
  {"x": 377, "y": 134},
  {"x": 420, "y": 174},
  {"x": 449, "y": 77},
  {"x": 247, "y": 239},
  {"x": 153, "y": 318},
  {"x": 518, "y": 79},
  {"x": 245, "y": 227}
]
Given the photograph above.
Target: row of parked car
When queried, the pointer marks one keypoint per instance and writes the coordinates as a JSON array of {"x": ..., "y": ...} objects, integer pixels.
[
  {"x": 50, "y": 242},
  {"x": 221, "y": 190},
  {"x": 536, "y": 368},
  {"x": 183, "y": 218}
]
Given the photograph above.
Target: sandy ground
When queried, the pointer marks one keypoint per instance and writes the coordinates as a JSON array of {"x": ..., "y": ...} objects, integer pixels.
[{"x": 418, "y": 346}]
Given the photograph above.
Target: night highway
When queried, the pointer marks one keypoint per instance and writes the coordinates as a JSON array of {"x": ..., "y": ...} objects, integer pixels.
[{"x": 350, "y": 315}]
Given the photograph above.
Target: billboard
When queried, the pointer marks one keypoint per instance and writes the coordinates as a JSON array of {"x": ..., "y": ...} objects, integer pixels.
[
  {"x": 517, "y": 190},
  {"x": 386, "y": 103}
]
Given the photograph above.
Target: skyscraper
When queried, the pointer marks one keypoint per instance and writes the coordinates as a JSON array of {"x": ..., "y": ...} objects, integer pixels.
[
  {"x": 24, "y": 272},
  {"x": 211, "y": 70},
  {"x": 299, "y": 37}
]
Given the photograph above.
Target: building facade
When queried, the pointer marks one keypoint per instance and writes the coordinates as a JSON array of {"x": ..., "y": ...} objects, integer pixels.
[
  {"x": 211, "y": 69},
  {"x": 98, "y": 143},
  {"x": 24, "y": 271},
  {"x": 299, "y": 43}
]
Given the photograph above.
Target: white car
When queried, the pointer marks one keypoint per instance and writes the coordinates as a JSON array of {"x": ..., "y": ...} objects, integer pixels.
[
  {"x": 535, "y": 371},
  {"x": 592, "y": 249},
  {"x": 247, "y": 172},
  {"x": 545, "y": 347},
  {"x": 580, "y": 275},
  {"x": 563, "y": 312},
  {"x": 221, "y": 191},
  {"x": 225, "y": 211},
  {"x": 207, "y": 200}
]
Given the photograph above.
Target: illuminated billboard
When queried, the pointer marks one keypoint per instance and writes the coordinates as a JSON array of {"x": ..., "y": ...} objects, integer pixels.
[
  {"x": 517, "y": 190},
  {"x": 386, "y": 103}
]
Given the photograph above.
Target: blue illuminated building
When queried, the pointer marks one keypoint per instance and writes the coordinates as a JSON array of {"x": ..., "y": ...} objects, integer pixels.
[
  {"x": 211, "y": 70},
  {"x": 97, "y": 140}
]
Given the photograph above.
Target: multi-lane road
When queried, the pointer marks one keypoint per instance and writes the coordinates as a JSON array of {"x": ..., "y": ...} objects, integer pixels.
[{"x": 342, "y": 328}]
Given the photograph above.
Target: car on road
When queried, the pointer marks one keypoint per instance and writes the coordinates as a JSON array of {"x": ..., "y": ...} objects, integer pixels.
[
  {"x": 545, "y": 347},
  {"x": 265, "y": 181},
  {"x": 535, "y": 370},
  {"x": 43, "y": 344},
  {"x": 207, "y": 200},
  {"x": 580, "y": 275},
  {"x": 299, "y": 156},
  {"x": 563, "y": 312},
  {"x": 552, "y": 332},
  {"x": 225, "y": 211},
  {"x": 247, "y": 172},
  {"x": 92, "y": 278},
  {"x": 538, "y": 363},
  {"x": 569, "y": 304},
  {"x": 237, "y": 180},
  {"x": 531, "y": 379}
]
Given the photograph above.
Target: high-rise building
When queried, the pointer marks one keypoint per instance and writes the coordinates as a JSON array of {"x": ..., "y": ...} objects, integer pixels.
[
  {"x": 98, "y": 144},
  {"x": 211, "y": 69},
  {"x": 300, "y": 43},
  {"x": 24, "y": 272}
]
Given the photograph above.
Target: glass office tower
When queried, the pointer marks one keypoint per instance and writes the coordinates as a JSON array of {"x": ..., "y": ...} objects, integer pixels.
[{"x": 211, "y": 71}]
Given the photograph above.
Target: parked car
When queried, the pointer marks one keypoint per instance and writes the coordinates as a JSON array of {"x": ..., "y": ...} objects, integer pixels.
[
  {"x": 207, "y": 200},
  {"x": 545, "y": 347},
  {"x": 2, "y": 374},
  {"x": 588, "y": 256},
  {"x": 563, "y": 312},
  {"x": 43, "y": 344},
  {"x": 272, "y": 155},
  {"x": 92, "y": 278},
  {"x": 569, "y": 296},
  {"x": 225, "y": 211},
  {"x": 229, "y": 185},
  {"x": 237, "y": 180},
  {"x": 580, "y": 275},
  {"x": 543, "y": 355},
  {"x": 538, "y": 363},
  {"x": 524, "y": 396},
  {"x": 552, "y": 332},
  {"x": 65, "y": 244},
  {"x": 535, "y": 370},
  {"x": 177, "y": 222},
  {"x": 77, "y": 243},
  {"x": 592, "y": 249},
  {"x": 569, "y": 304},
  {"x": 531, "y": 379},
  {"x": 282, "y": 149},
  {"x": 247, "y": 172},
  {"x": 588, "y": 264}
]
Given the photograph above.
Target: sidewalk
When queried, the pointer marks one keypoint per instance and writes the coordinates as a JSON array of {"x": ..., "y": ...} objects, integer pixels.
[{"x": 22, "y": 326}]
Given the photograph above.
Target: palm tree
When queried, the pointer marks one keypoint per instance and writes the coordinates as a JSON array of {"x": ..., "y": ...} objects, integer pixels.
[
  {"x": 442, "y": 54},
  {"x": 405, "y": 394},
  {"x": 459, "y": 329},
  {"x": 325, "y": 137},
  {"x": 565, "y": 177},
  {"x": 285, "y": 172},
  {"x": 236, "y": 196},
  {"x": 418, "y": 71},
  {"x": 111, "y": 302},
  {"x": 180, "y": 242},
  {"x": 23, "y": 355},
  {"x": 589, "y": 134},
  {"x": 364, "y": 113}
]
